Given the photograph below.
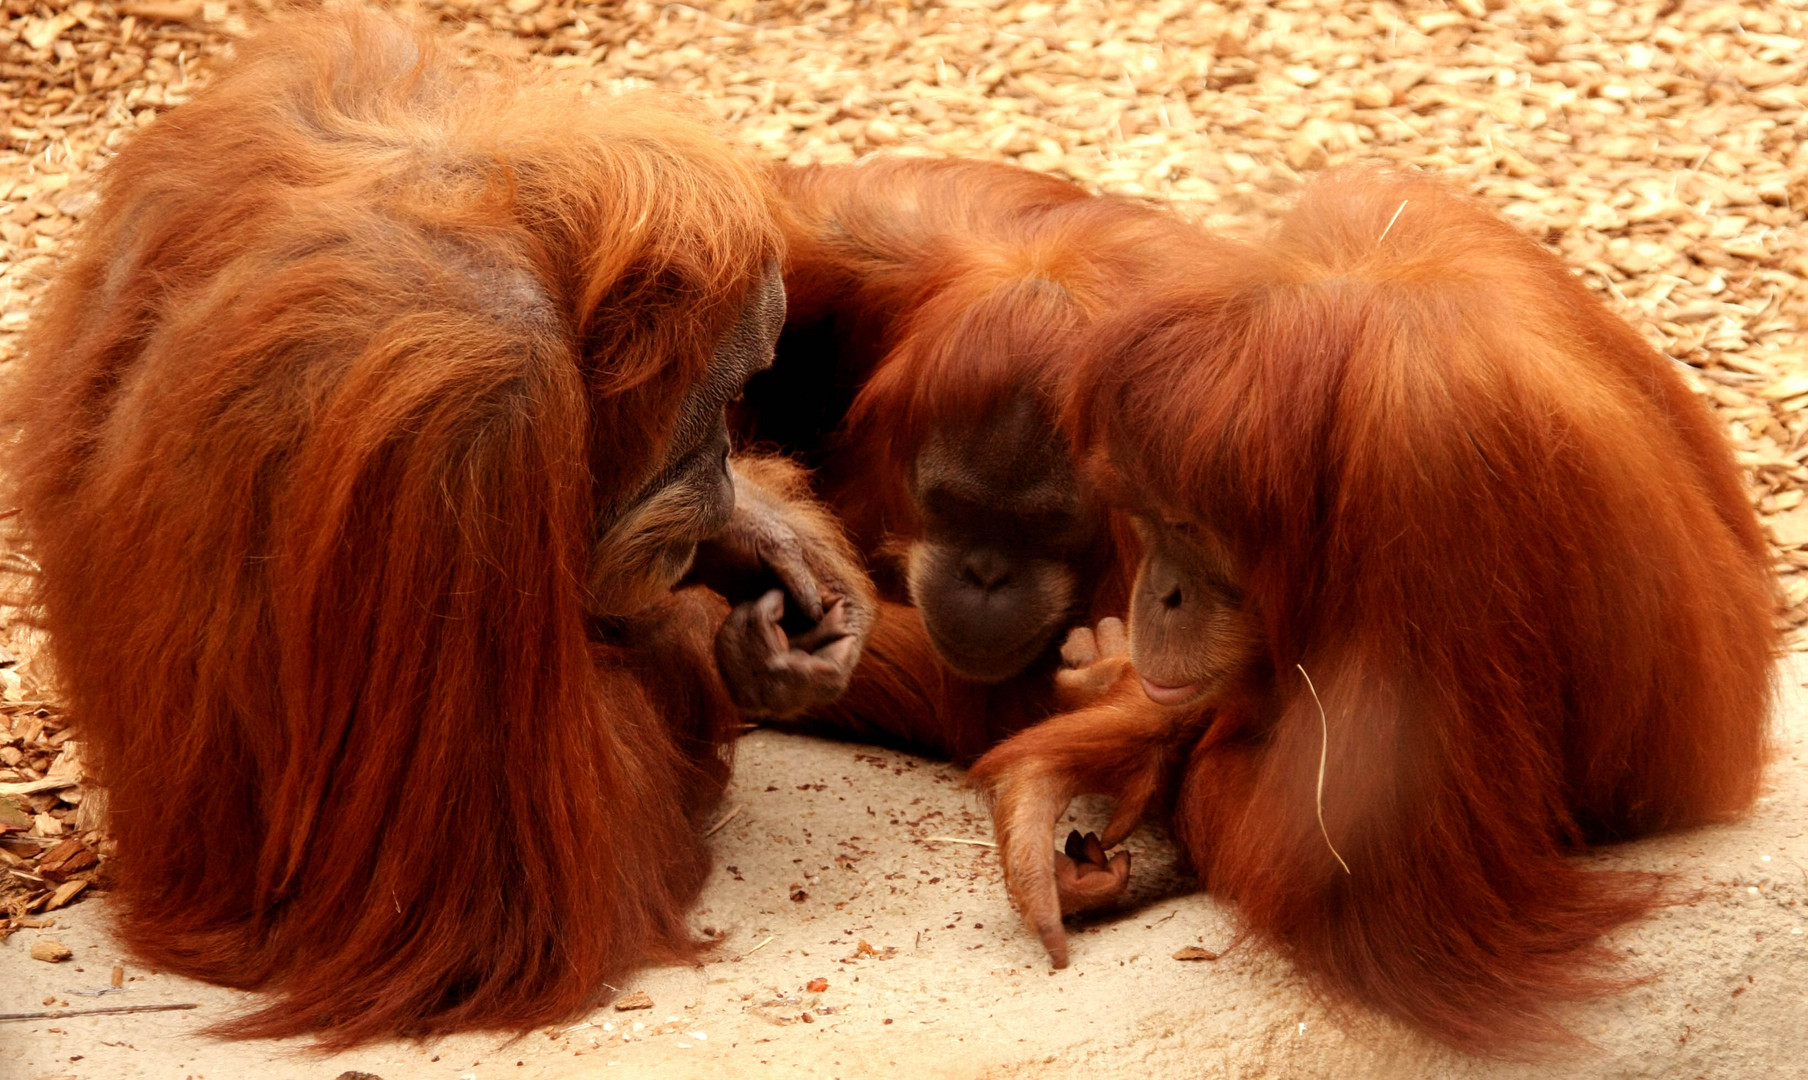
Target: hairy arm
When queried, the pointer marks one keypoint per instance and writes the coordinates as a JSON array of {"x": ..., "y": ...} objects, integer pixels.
[
  {"x": 1122, "y": 745},
  {"x": 802, "y": 604}
]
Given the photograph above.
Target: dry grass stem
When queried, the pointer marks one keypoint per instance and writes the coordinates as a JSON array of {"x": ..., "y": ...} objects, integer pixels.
[
  {"x": 1324, "y": 745},
  {"x": 958, "y": 840},
  {"x": 1390, "y": 221},
  {"x": 725, "y": 819}
]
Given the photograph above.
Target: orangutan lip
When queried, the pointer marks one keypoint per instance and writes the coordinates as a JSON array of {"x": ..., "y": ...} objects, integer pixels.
[
  {"x": 986, "y": 667},
  {"x": 1169, "y": 695}
]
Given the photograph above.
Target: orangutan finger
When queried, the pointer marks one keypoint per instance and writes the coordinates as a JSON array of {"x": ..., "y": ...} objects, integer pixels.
[
  {"x": 784, "y": 556},
  {"x": 1089, "y": 886},
  {"x": 831, "y": 628},
  {"x": 839, "y": 655},
  {"x": 1113, "y": 637},
  {"x": 1095, "y": 851},
  {"x": 768, "y": 610},
  {"x": 1125, "y": 817},
  {"x": 1047, "y": 924},
  {"x": 1075, "y": 848},
  {"x": 1080, "y": 649}
]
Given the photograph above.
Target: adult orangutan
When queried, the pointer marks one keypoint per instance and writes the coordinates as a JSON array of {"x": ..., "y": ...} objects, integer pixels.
[
  {"x": 933, "y": 311},
  {"x": 1447, "y": 577},
  {"x": 362, "y": 443}
]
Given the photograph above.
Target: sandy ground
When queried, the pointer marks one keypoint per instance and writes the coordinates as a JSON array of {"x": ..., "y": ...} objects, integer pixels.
[{"x": 834, "y": 845}]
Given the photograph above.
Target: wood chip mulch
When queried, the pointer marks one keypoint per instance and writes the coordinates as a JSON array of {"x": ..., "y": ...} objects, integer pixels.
[{"x": 1657, "y": 145}]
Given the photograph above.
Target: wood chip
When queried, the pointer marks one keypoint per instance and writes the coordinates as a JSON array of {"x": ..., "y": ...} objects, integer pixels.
[
  {"x": 639, "y": 999},
  {"x": 13, "y": 814},
  {"x": 51, "y": 952},
  {"x": 33, "y": 787},
  {"x": 162, "y": 10},
  {"x": 1194, "y": 952},
  {"x": 64, "y": 893},
  {"x": 1794, "y": 386},
  {"x": 68, "y": 857}
]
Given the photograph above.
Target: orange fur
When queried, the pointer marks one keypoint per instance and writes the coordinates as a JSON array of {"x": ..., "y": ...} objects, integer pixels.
[
  {"x": 358, "y": 352},
  {"x": 903, "y": 695},
  {"x": 1512, "y": 552},
  {"x": 922, "y": 294}
]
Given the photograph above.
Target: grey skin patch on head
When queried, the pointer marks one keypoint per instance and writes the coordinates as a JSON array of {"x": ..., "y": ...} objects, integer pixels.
[
  {"x": 648, "y": 545},
  {"x": 744, "y": 351}
]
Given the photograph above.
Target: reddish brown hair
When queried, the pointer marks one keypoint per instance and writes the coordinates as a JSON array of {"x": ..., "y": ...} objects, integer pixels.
[
  {"x": 922, "y": 296},
  {"x": 956, "y": 286},
  {"x": 356, "y": 353},
  {"x": 1512, "y": 552}
]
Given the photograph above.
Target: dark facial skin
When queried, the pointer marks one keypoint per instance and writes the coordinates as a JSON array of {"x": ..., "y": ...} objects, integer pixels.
[
  {"x": 1190, "y": 631},
  {"x": 1005, "y": 527},
  {"x": 801, "y": 607},
  {"x": 651, "y": 543},
  {"x": 698, "y": 458}
]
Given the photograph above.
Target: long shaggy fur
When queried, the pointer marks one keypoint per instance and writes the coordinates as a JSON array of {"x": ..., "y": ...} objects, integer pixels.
[
  {"x": 921, "y": 295},
  {"x": 357, "y": 356},
  {"x": 929, "y": 292},
  {"x": 1512, "y": 552}
]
